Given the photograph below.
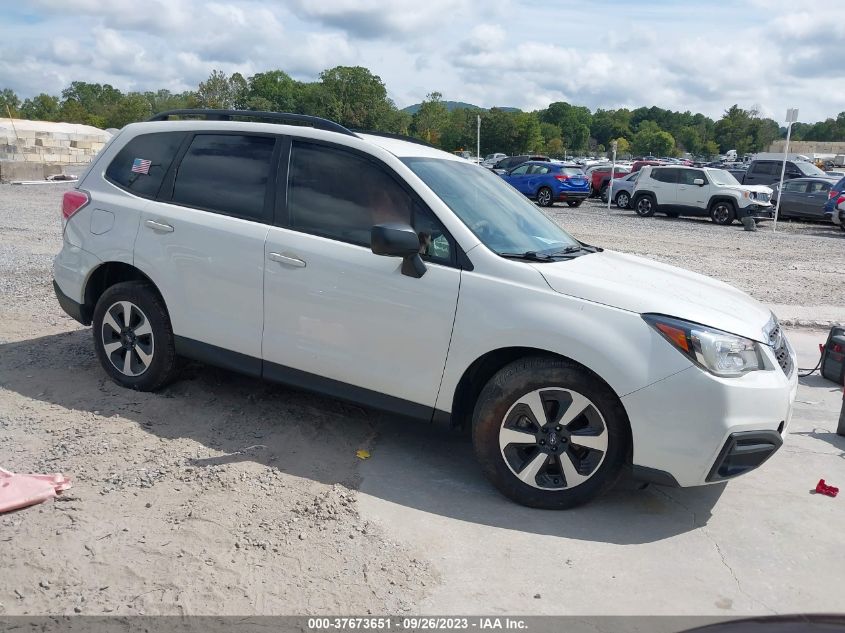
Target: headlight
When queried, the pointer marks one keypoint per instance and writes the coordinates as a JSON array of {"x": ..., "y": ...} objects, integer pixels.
[{"x": 718, "y": 352}]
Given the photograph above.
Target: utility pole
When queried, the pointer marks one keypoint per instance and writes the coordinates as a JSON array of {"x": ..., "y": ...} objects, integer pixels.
[
  {"x": 478, "y": 139},
  {"x": 791, "y": 117},
  {"x": 613, "y": 146}
]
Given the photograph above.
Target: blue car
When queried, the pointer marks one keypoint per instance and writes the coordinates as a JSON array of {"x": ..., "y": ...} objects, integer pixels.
[
  {"x": 548, "y": 183},
  {"x": 833, "y": 196}
]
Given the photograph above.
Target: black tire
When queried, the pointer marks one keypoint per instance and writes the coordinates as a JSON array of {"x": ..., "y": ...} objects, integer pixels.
[
  {"x": 603, "y": 193},
  {"x": 574, "y": 203},
  {"x": 623, "y": 199},
  {"x": 544, "y": 197},
  {"x": 498, "y": 409},
  {"x": 645, "y": 205},
  {"x": 147, "y": 313},
  {"x": 723, "y": 212}
]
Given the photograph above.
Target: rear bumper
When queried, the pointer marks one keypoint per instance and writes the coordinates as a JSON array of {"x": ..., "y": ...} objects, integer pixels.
[
  {"x": 568, "y": 196},
  {"x": 74, "y": 310}
]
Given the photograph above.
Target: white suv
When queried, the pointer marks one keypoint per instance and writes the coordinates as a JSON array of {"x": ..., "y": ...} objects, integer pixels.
[
  {"x": 390, "y": 273},
  {"x": 697, "y": 191}
]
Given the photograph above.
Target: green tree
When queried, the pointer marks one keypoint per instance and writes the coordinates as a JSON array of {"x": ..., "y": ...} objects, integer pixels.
[
  {"x": 273, "y": 90},
  {"x": 354, "y": 97},
  {"x": 219, "y": 91},
  {"x": 42, "y": 107},
  {"x": 133, "y": 107},
  {"x": 431, "y": 120},
  {"x": 573, "y": 121},
  {"x": 9, "y": 102},
  {"x": 710, "y": 149},
  {"x": 650, "y": 139},
  {"x": 623, "y": 147},
  {"x": 735, "y": 130}
]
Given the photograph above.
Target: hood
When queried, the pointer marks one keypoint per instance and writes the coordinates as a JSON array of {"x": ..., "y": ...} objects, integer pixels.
[
  {"x": 641, "y": 285},
  {"x": 754, "y": 188}
]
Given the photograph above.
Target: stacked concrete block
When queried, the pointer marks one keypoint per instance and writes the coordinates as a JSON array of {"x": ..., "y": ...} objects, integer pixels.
[{"x": 49, "y": 143}]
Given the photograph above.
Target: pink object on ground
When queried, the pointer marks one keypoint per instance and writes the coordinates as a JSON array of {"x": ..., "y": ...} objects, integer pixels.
[{"x": 19, "y": 491}]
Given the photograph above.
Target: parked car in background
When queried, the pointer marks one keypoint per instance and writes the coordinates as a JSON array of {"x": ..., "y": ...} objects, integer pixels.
[
  {"x": 690, "y": 191},
  {"x": 491, "y": 159},
  {"x": 508, "y": 163},
  {"x": 599, "y": 176},
  {"x": 639, "y": 164},
  {"x": 803, "y": 197},
  {"x": 766, "y": 172},
  {"x": 623, "y": 187},
  {"x": 836, "y": 191},
  {"x": 548, "y": 182}
]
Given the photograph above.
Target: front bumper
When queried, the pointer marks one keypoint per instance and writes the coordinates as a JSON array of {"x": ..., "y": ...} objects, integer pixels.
[
  {"x": 758, "y": 211},
  {"x": 691, "y": 427}
]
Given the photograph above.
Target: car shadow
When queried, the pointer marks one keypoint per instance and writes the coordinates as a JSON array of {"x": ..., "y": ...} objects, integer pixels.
[{"x": 421, "y": 466}]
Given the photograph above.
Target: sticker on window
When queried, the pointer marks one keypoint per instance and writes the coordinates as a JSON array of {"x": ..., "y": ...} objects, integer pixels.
[{"x": 141, "y": 166}]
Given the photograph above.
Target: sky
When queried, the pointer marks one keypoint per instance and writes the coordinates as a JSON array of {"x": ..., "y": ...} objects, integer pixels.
[{"x": 698, "y": 55}]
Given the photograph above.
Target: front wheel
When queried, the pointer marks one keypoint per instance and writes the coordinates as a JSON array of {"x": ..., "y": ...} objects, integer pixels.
[
  {"x": 723, "y": 213},
  {"x": 133, "y": 337},
  {"x": 645, "y": 206},
  {"x": 544, "y": 197},
  {"x": 549, "y": 434}
]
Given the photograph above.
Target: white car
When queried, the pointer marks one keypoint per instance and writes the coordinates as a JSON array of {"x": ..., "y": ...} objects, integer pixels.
[
  {"x": 392, "y": 274},
  {"x": 694, "y": 191}
]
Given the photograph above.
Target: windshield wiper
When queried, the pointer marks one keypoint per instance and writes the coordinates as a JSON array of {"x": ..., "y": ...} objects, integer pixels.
[{"x": 529, "y": 255}]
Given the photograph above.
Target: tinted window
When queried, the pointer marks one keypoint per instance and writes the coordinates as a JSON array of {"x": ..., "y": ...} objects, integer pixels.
[
  {"x": 687, "y": 176},
  {"x": 225, "y": 173},
  {"x": 520, "y": 171},
  {"x": 538, "y": 170},
  {"x": 817, "y": 186},
  {"x": 341, "y": 195},
  {"x": 808, "y": 169},
  {"x": 795, "y": 187},
  {"x": 140, "y": 166},
  {"x": 665, "y": 175},
  {"x": 765, "y": 168}
]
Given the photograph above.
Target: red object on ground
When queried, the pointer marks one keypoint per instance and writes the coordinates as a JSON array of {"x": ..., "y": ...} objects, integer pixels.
[
  {"x": 824, "y": 489},
  {"x": 20, "y": 491}
]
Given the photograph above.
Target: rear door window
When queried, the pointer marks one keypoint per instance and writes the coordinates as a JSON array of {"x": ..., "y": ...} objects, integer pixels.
[
  {"x": 227, "y": 174},
  {"x": 142, "y": 163},
  {"x": 795, "y": 187},
  {"x": 667, "y": 175}
]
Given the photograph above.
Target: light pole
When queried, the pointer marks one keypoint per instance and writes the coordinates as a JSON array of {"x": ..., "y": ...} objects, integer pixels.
[
  {"x": 791, "y": 117},
  {"x": 478, "y": 139},
  {"x": 613, "y": 146}
]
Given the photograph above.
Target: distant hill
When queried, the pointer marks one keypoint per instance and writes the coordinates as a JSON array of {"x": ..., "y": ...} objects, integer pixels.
[{"x": 457, "y": 105}]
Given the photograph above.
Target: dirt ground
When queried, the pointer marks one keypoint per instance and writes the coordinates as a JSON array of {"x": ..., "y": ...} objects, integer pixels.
[{"x": 225, "y": 495}]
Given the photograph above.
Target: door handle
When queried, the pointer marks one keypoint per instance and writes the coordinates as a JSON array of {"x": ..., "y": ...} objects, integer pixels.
[
  {"x": 286, "y": 259},
  {"x": 159, "y": 226}
]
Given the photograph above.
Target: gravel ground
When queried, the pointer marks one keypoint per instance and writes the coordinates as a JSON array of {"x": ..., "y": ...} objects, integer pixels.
[
  {"x": 803, "y": 264},
  {"x": 222, "y": 494}
]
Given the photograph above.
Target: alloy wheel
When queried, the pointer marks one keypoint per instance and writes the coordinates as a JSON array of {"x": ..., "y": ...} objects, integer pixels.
[
  {"x": 127, "y": 338},
  {"x": 644, "y": 206},
  {"x": 544, "y": 197},
  {"x": 622, "y": 200},
  {"x": 721, "y": 213},
  {"x": 553, "y": 439}
]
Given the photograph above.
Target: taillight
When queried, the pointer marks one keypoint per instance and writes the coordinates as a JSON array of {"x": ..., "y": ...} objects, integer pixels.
[
  {"x": 840, "y": 200},
  {"x": 832, "y": 194},
  {"x": 562, "y": 177},
  {"x": 72, "y": 202}
]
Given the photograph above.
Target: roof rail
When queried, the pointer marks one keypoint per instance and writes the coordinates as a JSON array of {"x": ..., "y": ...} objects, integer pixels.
[
  {"x": 399, "y": 137},
  {"x": 282, "y": 117}
]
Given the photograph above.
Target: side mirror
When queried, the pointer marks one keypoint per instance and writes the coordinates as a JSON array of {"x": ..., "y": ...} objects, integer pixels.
[
  {"x": 399, "y": 240},
  {"x": 699, "y": 182}
]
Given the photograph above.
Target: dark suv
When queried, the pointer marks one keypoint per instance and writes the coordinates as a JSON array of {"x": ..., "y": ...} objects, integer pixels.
[
  {"x": 506, "y": 164},
  {"x": 767, "y": 172}
]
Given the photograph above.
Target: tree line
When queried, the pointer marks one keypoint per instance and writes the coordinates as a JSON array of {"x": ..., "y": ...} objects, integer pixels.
[{"x": 356, "y": 98}]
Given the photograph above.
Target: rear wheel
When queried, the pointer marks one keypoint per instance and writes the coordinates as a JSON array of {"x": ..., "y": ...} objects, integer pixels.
[
  {"x": 549, "y": 434},
  {"x": 544, "y": 197},
  {"x": 723, "y": 212},
  {"x": 133, "y": 337},
  {"x": 645, "y": 206},
  {"x": 623, "y": 199}
]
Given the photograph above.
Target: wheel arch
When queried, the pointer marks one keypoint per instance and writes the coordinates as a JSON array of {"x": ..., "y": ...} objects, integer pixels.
[
  {"x": 721, "y": 197},
  {"x": 644, "y": 192},
  {"x": 479, "y": 372},
  {"x": 105, "y": 276}
]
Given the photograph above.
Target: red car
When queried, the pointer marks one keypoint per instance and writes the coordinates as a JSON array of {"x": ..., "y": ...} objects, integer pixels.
[{"x": 599, "y": 176}]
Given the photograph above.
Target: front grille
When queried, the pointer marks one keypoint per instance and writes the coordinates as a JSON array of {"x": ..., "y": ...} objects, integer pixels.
[{"x": 778, "y": 342}]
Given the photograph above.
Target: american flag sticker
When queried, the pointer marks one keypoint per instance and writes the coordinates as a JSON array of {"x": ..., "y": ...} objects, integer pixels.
[{"x": 141, "y": 166}]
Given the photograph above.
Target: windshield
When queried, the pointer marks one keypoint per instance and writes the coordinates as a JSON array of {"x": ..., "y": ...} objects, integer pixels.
[
  {"x": 808, "y": 169},
  {"x": 722, "y": 177},
  {"x": 501, "y": 217}
]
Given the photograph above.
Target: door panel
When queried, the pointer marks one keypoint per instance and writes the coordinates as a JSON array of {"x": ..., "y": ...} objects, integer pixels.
[{"x": 351, "y": 316}]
